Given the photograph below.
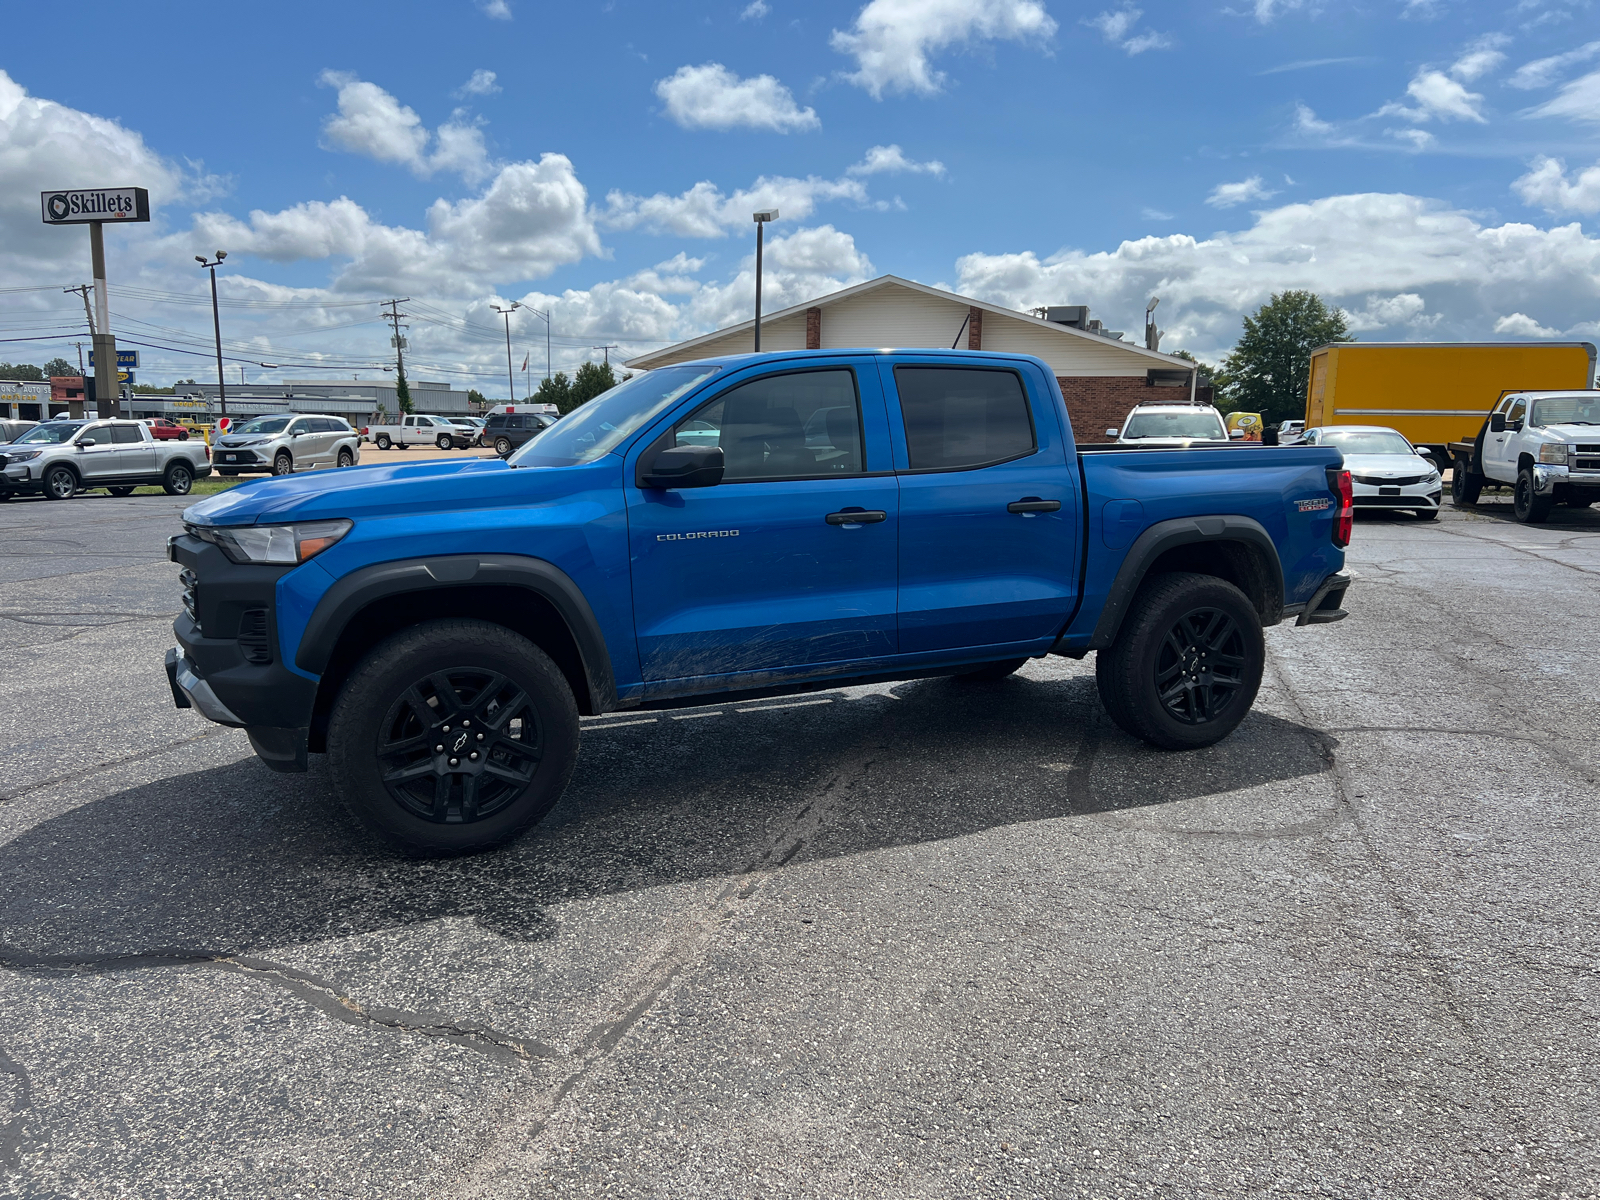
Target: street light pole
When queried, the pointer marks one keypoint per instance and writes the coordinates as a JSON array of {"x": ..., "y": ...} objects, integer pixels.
[
  {"x": 761, "y": 219},
  {"x": 511, "y": 383},
  {"x": 216, "y": 326},
  {"x": 545, "y": 317}
]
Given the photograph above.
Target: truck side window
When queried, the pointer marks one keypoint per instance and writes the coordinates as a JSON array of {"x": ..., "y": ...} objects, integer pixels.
[
  {"x": 1518, "y": 410},
  {"x": 125, "y": 434},
  {"x": 963, "y": 416},
  {"x": 799, "y": 425}
]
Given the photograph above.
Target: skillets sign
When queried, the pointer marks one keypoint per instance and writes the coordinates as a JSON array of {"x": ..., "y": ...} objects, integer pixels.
[{"x": 84, "y": 205}]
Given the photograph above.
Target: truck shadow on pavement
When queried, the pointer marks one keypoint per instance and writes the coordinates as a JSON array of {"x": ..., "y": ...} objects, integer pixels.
[{"x": 235, "y": 859}]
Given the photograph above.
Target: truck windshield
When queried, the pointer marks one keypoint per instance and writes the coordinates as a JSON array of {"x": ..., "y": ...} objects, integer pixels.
[
  {"x": 1175, "y": 425},
  {"x": 598, "y": 427},
  {"x": 1367, "y": 441},
  {"x": 54, "y": 434},
  {"x": 262, "y": 425},
  {"x": 1565, "y": 410}
]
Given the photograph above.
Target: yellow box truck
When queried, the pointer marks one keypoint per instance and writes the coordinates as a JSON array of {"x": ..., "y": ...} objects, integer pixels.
[{"x": 1435, "y": 393}]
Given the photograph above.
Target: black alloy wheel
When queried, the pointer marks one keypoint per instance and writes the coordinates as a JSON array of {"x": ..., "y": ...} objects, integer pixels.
[
  {"x": 283, "y": 465},
  {"x": 178, "y": 481},
  {"x": 1465, "y": 487},
  {"x": 1186, "y": 662},
  {"x": 346, "y": 459},
  {"x": 502, "y": 447},
  {"x": 453, "y": 736},
  {"x": 60, "y": 483},
  {"x": 1200, "y": 667},
  {"x": 1526, "y": 504}
]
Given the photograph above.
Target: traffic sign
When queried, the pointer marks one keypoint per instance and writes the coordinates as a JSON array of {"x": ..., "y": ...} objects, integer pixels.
[
  {"x": 81, "y": 206},
  {"x": 127, "y": 360}
]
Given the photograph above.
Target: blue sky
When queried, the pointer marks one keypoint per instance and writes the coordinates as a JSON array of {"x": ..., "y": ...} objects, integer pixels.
[{"x": 1429, "y": 166}]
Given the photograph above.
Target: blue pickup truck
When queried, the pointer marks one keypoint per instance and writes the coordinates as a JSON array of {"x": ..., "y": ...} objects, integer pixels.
[{"x": 737, "y": 527}]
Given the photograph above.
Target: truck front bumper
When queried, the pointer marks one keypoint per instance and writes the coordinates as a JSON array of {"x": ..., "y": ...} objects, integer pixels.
[{"x": 1549, "y": 476}]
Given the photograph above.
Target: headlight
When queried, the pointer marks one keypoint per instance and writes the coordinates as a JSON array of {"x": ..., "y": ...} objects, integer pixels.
[
  {"x": 1553, "y": 452},
  {"x": 273, "y": 543},
  {"x": 1431, "y": 477},
  {"x": 26, "y": 455}
]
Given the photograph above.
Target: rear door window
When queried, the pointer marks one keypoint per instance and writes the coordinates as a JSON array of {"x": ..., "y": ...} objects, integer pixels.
[
  {"x": 125, "y": 434},
  {"x": 799, "y": 425},
  {"x": 963, "y": 417}
]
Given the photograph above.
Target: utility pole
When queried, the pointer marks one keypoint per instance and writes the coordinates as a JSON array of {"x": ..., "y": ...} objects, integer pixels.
[
  {"x": 399, "y": 343},
  {"x": 607, "y": 349},
  {"x": 761, "y": 219},
  {"x": 543, "y": 315},
  {"x": 511, "y": 386},
  {"x": 216, "y": 328}
]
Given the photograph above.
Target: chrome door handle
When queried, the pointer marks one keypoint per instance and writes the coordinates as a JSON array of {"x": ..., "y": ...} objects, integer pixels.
[
  {"x": 1032, "y": 504},
  {"x": 857, "y": 516}
]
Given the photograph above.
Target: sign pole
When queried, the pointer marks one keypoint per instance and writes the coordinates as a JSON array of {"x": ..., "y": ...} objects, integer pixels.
[{"x": 107, "y": 394}]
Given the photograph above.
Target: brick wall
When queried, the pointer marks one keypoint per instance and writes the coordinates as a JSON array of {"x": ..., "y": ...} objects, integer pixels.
[{"x": 974, "y": 328}]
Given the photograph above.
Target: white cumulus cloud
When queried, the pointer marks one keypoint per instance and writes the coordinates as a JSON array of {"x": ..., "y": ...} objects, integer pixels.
[
  {"x": 1542, "y": 72},
  {"x": 1483, "y": 56},
  {"x": 705, "y": 211},
  {"x": 1546, "y": 186},
  {"x": 499, "y": 10},
  {"x": 482, "y": 83},
  {"x": 372, "y": 122},
  {"x": 890, "y": 160},
  {"x": 712, "y": 97},
  {"x": 1117, "y": 25},
  {"x": 1577, "y": 101},
  {"x": 1521, "y": 325},
  {"x": 1438, "y": 95},
  {"x": 1227, "y": 195},
  {"x": 894, "y": 41},
  {"x": 1390, "y": 312}
]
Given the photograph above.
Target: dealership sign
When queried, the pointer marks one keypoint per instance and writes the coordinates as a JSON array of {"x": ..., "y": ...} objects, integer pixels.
[{"x": 84, "y": 205}]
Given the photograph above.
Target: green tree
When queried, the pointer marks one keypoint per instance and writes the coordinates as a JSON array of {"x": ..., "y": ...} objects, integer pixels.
[
  {"x": 402, "y": 393},
  {"x": 556, "y": 390},
  {"x": 21, "y": 372},
  {"x": 1267, "y": 371},
  {"x": 475, "y": 397},
  {"x": 59, "y": 366},
  {"x": 589, "y": 382}
]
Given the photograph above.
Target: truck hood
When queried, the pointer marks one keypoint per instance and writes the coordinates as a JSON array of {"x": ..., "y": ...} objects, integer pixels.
[
  {"x": 1390, "y": 465},
  {"x": 389, "y": 491},
  {"x": 1573, "y": 433}
]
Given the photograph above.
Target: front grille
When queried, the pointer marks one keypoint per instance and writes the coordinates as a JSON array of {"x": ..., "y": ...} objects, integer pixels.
[
  {"x": 1403, "y": 481},
  {"x": 1586, "y": 464},
  {"x": 191, "y": 596},
  {"x": 253, "y": 636},
  {"x": 1587, "y": 449}
]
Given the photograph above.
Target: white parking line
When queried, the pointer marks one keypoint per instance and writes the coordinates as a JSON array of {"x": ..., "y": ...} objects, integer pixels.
[
  {"x": 791, "y": 704},
  {"x": 693, "y": 716},
  {"x": 619, "y": 724}
]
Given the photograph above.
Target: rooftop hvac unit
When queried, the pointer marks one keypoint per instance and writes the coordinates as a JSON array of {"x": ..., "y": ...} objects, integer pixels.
[{"x": 1076, "y": 315}]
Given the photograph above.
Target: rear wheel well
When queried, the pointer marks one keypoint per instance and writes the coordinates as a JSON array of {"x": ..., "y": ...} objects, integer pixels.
[
  {"x": 521, "y": 610},
  {"x": 1241, "y": 564}
]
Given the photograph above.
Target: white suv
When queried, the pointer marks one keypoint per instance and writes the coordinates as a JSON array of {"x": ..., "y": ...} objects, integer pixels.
[{"x": 1160, "y": 423}]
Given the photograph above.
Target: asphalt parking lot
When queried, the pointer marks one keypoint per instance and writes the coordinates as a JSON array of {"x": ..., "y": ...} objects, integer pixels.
[{"x": 918, "y": 940}]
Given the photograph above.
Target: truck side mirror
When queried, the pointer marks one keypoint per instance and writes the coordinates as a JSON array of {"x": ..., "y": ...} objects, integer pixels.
[
  {"x": 684, "y": 467},
  {"x": 1236, "y": 435},
  {"x": 1497, "y": 422},
  {"x": 1112, "y": 432}
]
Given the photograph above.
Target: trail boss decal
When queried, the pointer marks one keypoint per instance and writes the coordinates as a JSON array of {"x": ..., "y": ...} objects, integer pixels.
[
  {"x": 1314, "y": 505},
  {"x": 689, "y": 537}
]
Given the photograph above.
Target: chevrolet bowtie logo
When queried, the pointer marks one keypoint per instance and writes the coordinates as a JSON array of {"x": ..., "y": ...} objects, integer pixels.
[{"x": 461, "y": 741}]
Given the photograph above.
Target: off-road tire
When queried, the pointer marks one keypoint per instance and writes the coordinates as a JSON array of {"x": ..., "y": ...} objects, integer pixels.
[
  {"x": 454, "y": 662},
  {"x": 990, "y": 672},
  {"x": 1526, "y": 504},
  {"x": 283, "y": 464},
  {"x": 1194, "y": 610},
  {"x": 179, "y": 480},
  {"x": 1465, "y": 487},
  {"x": 60, "y": 483},
  {"x": 382, "y": 441},
  {"x": 346, "y": 459},
  {"x": 120, "y": 491},
  {"x": 503, "y": 447}
]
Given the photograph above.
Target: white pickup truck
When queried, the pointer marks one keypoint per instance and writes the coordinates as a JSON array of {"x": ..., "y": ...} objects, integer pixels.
[
  {"x": 62, "y": 458},
  {"x": 420, "y": 430},
  {"x": 1543, "y": 445}
]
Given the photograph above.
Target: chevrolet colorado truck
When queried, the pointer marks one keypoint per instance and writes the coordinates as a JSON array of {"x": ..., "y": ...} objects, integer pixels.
[{"x": 738, "y": 527}]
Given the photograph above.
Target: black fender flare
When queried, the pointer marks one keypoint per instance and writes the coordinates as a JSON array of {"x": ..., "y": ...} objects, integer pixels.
[
  {"x": 350, "y": 594},
  {"x": 1167, "y": 535}
]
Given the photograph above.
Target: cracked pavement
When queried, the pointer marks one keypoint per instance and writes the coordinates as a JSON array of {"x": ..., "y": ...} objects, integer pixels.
[{"x": 916, "y": 940}]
